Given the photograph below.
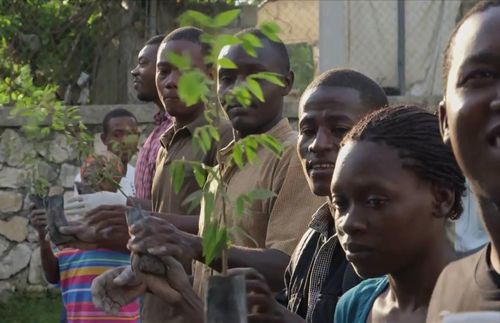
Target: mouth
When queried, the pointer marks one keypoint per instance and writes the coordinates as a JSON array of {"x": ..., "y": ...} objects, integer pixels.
[
  {"x": 322, "y": 166},
  {"x": 355, "y": 252},
  {"x": 237, "y": 110}
]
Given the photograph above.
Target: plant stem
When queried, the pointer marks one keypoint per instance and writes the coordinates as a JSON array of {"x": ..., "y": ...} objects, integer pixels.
[{"x": 224, "y": 261}]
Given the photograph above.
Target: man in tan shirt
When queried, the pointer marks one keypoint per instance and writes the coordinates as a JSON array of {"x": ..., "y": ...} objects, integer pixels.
[{"x": 275, "y": 224}]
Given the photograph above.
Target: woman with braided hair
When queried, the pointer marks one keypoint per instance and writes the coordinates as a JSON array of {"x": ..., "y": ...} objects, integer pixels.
[{"x": 394, "y": 187}]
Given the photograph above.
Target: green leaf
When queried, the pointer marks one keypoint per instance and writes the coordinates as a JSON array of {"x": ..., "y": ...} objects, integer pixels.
[
  {"x": 176, "y": 170},
  {"x": 252, "y": 40},
  {"x": 182, "y": 62},
  {"x": 238, "y": 154},
  {"x": 271, "y": 77},
  {"x": 261, "y": 194},
  {"x": 240, "y": 205},
  {"x": 251, "y": 154},
  {"x": 254, "y": 87},
  {"x": 192, "y": 87},
  {"x": 225, "y": 62},
  {"x": 214, "y": 133},
  {"x": 214, "y": 240},
  {"x": 271, "y": 144},
  {"x": 194, "y": 199},
  {"x": 208, "y": 205},
  {"x": 271, "y": 30},
  {"x": 195, "y": 17},
  {"x": 199, "y": 175},
  {"x": 225, "y": 18}
]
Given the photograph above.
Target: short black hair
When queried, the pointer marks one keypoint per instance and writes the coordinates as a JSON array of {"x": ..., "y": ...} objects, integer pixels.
[
  {"x": 277, "y": 45},
  {"x": 370, "y": 91},
  {"x": 479, "y": 7},
  {"x": 190, "y": 34},
  {"x": 414, "y": 132},
  {"x": 155, "y": 40},
  {"x": 115, "y": 113}
]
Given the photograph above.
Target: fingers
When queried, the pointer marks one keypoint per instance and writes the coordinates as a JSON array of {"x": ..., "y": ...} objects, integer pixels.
[
  {"x": 72, "y": 229},
  {"x": 151, "y": 246},
  {"x": 110, "y": 222},
  {"x": 99, "y": 215},
  {"x": 126, "y": 277},
  {"x": 161, "y": 288},
  {"x": 98, "y": 287}
]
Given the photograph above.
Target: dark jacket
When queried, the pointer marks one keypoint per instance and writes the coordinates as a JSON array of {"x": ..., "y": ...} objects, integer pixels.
[{"x": 318, "y": 273}]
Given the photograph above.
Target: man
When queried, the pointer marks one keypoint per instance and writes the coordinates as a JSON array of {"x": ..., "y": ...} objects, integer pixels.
[
  {"x": 144, "y": 84},
  {"x": 470, "y": 122},
  {"x": 275, "y": 224}
]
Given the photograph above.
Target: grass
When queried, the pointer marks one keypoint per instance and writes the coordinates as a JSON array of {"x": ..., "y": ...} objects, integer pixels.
[{"x": 30, "y": 309}]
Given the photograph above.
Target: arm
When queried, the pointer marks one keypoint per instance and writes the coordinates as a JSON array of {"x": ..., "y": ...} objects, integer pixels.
[
  {"x": 50, "y": 264},
  {"x": 142, "y": 203},
  {"x": 159, "y": 237}
]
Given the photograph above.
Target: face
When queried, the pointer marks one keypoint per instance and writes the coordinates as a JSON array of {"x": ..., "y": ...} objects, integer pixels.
[
  {"x": 470, "y": 111},
  {"x": 144, "y": 74},
  {"x": 259, "y": 117},
  {"x": 383, "y": 212},
  {"x": 122, "y": 137},
  {"x": 326, "y": 115},
  {"x": 167, "y": 75}
]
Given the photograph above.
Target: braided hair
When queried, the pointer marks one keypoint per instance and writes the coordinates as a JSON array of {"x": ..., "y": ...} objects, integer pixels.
[{"x": 414, "y": 132}]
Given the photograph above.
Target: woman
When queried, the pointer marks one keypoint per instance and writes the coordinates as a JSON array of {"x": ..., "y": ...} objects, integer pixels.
[{"x": 394, "y": 187}]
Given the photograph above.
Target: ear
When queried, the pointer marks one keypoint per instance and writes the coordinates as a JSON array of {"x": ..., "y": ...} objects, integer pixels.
[
  {"x": 444, "y": 199},
  {"x": 288, "y": 80},
  {"x": 104, "y": 139},
  {"x": 443, "y": 122}
]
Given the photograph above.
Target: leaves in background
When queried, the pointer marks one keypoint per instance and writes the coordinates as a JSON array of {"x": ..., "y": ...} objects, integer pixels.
[{"x": 176, "y": 170}]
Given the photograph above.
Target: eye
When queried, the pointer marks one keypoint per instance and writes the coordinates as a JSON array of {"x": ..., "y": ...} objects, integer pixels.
[
  {"x": 339, "y": 204},
  {"x": 340, "y": 132},
  {"x": 479, "y": 77},
  {"x": 376, "y": 202},
  {"x": 307, "y": 131}
]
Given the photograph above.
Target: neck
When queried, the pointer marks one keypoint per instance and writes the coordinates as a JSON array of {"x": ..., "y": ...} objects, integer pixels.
[
  {"x": 412, "y": 287},
  {"x": 184, "y": 120},
  {"x": 158, "y": 104},
  {"x": 491, "y": 220},
  {"x": 265, "y": 128}
]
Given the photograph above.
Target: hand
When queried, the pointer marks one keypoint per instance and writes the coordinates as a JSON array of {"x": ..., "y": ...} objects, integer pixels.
[
  {"x": 170, "y": 287},
  {"x": 159, "y": 237},
  {"x": 262, "y": 307},
  {"x": 116, "y": 288},
  {"x": 84, "y": 203},
  {"x": 175, "y": 289},
  {"x": 99, "y": 225},
  {"x": 38, "y": 219}
]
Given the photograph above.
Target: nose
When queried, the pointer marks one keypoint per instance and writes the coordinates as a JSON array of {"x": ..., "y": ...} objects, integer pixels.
[
  {"x": 323, "y": 142},
  {"x": 352, "y": 222},
  {"x": 172, "y": 80},
  {"x": 135, "y": 71}
]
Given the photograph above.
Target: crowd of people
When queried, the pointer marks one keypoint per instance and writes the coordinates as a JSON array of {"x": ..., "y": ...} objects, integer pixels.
[{"x": 361, "y": 225}]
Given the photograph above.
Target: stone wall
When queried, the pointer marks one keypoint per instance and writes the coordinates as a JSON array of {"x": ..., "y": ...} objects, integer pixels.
[{"x": 55, "y": 160}]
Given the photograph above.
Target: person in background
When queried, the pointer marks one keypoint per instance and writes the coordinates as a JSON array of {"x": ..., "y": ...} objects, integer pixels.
[
  {"x": 144, "y": 84},
  {"x": 74, "y": 269}
]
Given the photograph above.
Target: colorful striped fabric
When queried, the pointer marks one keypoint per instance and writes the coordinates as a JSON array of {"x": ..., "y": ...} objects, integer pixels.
[{"x": 77, "y": 270}]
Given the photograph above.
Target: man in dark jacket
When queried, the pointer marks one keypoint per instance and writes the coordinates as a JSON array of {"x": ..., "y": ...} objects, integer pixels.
[{"x": 318, "y": 273}]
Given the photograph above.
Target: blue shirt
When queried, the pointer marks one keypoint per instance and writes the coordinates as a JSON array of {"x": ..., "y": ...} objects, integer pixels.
[{"x": 355, "y": 305}]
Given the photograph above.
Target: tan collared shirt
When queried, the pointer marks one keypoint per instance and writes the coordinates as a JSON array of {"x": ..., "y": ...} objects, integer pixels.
[
  {"x": 274, "y": 223},
  {"x": 177, "y": 144}
]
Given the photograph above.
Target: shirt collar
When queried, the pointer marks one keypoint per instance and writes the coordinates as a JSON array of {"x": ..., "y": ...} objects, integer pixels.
[
  {"x": 160, "y": 117},
  {"x": 279, "y": 131},
  {"x": 321, "y": 220},
  {"x": 167, "y": 137}
]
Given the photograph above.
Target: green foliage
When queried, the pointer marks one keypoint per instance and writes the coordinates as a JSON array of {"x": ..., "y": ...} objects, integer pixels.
[
  {"x": 193, "y": 89},
  {"x": 302, "y": 64}
]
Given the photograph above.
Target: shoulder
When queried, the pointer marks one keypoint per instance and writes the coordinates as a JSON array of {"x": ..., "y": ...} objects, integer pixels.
[{"x": 355, "y": 305}]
